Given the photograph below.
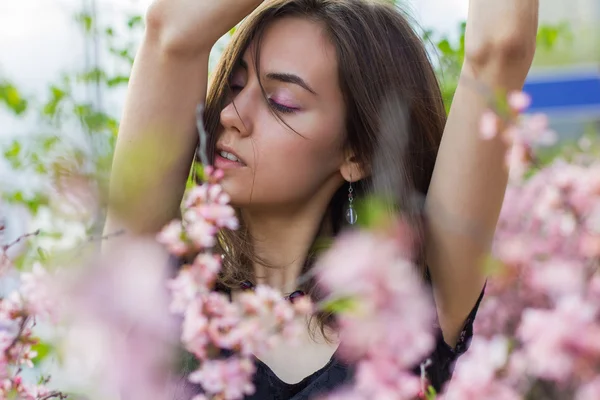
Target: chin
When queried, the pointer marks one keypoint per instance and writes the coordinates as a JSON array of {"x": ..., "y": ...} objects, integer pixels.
[{"x": 238, "y": 192}]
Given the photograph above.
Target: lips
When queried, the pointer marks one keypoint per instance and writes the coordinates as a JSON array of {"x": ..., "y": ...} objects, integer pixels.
[{"x": 222, "y": 147}]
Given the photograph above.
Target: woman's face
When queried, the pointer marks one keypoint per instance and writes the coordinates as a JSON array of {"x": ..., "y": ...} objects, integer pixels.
[{"x": 279, "y": 167}]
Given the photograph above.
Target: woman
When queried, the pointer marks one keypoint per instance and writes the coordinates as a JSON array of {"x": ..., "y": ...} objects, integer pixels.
[{"x": 306, "y": 101}]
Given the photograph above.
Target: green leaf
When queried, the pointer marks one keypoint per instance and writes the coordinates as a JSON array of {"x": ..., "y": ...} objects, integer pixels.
[
  {"x": 493, "y": 267},
  {"x": 135, "y": 21},
  {"x": 49, "y": 143},
  {"x": 117, "y": 80},
  {"x": 11, "y": 97},
  {"x": 340, "y": 305},
  {"x": 86, "y": 21},
  {"x": 13, "y": 151},
  {"x": 43, "y": 350},
  {"x": 51, "y": 107},
  {"x": 42, "y": 254},
  {"x": 125, "y": 54},
  {"x": 431, "y": 393},
  {"x": 445, "y": 48},
  {"x": 94, "y": 75},
  {"x": 373, "y": 212},
  {"x": 34, "y": 203},
  {"x": 12, "y": 155}
]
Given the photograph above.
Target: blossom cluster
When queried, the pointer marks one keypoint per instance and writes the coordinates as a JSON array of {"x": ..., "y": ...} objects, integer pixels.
[
  {"x": 19, "y": 311},
  {"x": 537, "y": 330},
  {"x": 386, "y": 326},
  {"x": 216, "y": 324}
]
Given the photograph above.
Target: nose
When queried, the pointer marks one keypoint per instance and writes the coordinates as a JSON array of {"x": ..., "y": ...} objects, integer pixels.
[{"x": 236, "y": 115}]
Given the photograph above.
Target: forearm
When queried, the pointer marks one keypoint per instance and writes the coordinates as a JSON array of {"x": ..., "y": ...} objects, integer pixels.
[
  {"x": 470, "y": 175},
  {"x": 157, "y": 139},
  {"x": 157, "y": 136}
]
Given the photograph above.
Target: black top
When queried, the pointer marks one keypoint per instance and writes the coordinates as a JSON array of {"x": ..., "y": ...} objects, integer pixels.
[{"x": 336, "y": 373}]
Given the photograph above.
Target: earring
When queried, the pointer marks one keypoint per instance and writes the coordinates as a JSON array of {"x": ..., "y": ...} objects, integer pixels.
[{"x": 351, "y": 216}]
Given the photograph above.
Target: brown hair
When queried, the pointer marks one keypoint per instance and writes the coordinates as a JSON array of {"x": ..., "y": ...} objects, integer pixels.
[{"x": 394, "y": 110}]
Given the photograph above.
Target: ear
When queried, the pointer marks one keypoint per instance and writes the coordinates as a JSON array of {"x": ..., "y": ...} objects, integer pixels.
[{"x": 352, "y": 170}]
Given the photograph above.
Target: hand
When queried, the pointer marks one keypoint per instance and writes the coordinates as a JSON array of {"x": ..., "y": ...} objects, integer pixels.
[
  {"x": 195, "y": 25},
  {"x": 501, "y": 33}
]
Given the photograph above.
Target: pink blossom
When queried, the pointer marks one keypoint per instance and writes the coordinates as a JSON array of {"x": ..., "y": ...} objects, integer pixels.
[
  {"x": 183, "y": 290},
  {"x": 193, "y": 280},
  {"x": 557, "y": 277},
  {"x": 172, "y": 237},
  {"x": 535, "y": 130},
  {"x": 387, "y": 327},
  {"x": 37, "y": 291},
  {"x": 304, "y": 306},
  {"x": 489, "y": 125},
  {"x": 231, "y": 378},
  {"x": 382, "y": 379},
  {"x": 589, "y": 390},
  {"x": 194, "y": 330},
  {"x": 519, "y": 101},
  {"x": 120, "y": 334},
  {"x": 476, "y": 372},
  {"x": 201, "y": 232},
  {"x": 548, "y": 336}
]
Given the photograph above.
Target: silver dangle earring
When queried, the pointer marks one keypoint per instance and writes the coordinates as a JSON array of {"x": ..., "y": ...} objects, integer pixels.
[{"x": 351, "y": 216}]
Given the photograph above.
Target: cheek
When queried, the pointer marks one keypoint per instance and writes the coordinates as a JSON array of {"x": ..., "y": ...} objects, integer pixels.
[
  {"x": 296, "y": 162},
  {"x": 291, "y": 168},
  {"x": 288, "y": 167}
]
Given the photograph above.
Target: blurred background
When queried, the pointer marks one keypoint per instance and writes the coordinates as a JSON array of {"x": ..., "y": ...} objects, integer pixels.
[{"x": 565, "y": 79}]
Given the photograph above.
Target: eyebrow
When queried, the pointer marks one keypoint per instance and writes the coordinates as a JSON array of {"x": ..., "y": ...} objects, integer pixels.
[{"x": 283, "y": 77}]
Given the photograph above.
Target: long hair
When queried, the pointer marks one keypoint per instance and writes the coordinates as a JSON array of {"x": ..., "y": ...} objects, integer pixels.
[{"x": 394, "y": 112}]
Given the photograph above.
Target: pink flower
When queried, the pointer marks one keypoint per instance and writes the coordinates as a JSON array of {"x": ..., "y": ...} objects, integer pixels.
[
  {"x": 200, "y": 232},
  {"x": 557, "y": 277},
  {"x": 489, "y": 125},
  {"x": 385, "y": 380},
  {"x": 195, "y": 330},
  {"x": 387, "y": 325},
  {"x": 549, "y": 336},
  {"x": 519, "y": 101},
  {"x": 535, "y": 131},
  {"x": 36, "y": 289},
  {"x": 475, "y": 375},
  {"x": 172, "y": 237},
  {"x": 589, "y": 390},
  {"x": 231, "y": 378}
]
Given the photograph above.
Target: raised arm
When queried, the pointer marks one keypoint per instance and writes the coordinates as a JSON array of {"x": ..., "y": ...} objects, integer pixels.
[
  {"x": 469, "y": 179},
  {"x": 157, "y": 137}
]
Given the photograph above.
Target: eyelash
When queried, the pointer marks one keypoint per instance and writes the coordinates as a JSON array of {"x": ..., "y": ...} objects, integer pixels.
[
  {"x": 281, "y": 108},
  {"x": 276, "y": 106}
]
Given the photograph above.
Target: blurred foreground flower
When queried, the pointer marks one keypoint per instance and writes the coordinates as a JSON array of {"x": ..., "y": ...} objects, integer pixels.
[
  {"x": 384, "y": 313},
  {"x": 120, "y": 338},
  {"x": 21, "y": 308},
  {"x": 215, "y": 325}
]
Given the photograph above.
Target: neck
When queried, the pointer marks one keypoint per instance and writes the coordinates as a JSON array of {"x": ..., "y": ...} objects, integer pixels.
[{"x": 282, "y": 240}]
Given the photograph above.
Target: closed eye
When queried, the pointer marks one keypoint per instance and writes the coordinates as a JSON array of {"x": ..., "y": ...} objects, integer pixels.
[{"x": 281, "y": 108}]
